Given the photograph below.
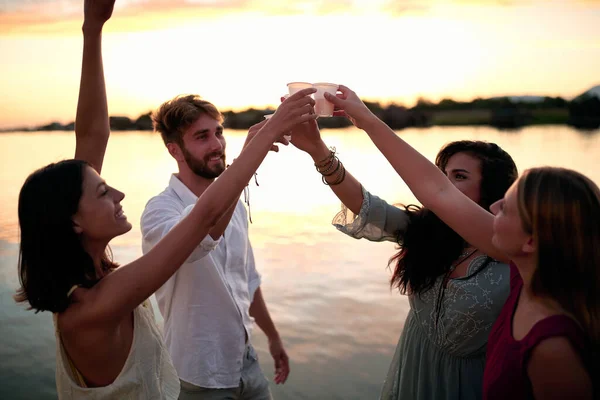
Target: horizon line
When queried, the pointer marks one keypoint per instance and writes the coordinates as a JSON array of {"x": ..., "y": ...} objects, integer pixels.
[{"x": 265, "y": 108}]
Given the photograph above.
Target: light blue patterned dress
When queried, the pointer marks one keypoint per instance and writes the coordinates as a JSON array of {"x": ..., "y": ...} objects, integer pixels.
[{"x": 441, "y": 351}]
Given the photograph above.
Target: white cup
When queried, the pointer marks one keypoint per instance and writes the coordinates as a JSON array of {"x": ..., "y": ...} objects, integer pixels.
[
  {"x": 294, "y": 87},
  {"x": 324, "y": 108}
]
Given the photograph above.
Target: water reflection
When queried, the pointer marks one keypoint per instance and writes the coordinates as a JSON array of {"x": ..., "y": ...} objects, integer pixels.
[
  {"x": 138, "y": 164},
  {"x": 328, "y": 294}
]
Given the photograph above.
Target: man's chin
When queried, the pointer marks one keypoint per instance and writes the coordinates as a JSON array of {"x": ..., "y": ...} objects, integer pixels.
[
  {"x": 218, "y": 171},
  {"x": 218, "y": 168},
  {"x": 211, "y": 173}
]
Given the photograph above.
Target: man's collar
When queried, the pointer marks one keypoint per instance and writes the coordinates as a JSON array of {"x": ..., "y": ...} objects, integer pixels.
[{"x": 184, "y": 193}]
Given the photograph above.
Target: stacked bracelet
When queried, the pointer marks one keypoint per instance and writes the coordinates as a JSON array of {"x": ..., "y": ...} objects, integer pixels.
[
  {"x": 327, "y": 160},
  {"x": 331, "y": 166}
]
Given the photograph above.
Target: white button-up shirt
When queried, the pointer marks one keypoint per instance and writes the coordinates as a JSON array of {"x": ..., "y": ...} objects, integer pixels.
[{"x": 206, "y": 303}]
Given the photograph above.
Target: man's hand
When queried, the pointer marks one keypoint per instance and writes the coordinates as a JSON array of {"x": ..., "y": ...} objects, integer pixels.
[
  {"x": 96, "y": 13},
  {"x": 307, "y": 137},
  {"x": 254, "y": 130},
  {"x": 280, "y": 357},
  {"x": 258, "y": 310},
  {"x": 297, "y": 109}
]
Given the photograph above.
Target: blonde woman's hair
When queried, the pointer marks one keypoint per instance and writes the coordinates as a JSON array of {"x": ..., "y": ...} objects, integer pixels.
[{"x": 561, "y": 209}]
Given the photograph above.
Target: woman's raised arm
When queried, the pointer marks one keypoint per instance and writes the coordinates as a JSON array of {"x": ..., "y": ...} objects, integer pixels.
[
  {"x": 92, "y": 127},
  {"x": 429, "y": 185}
]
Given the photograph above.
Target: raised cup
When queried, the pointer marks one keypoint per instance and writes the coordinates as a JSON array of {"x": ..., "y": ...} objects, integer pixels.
[
  {"x": 294, "y": 87},
  {"x": 324, "y": 108}
]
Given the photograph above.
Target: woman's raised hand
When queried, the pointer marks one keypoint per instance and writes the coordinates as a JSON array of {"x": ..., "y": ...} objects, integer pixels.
[
  {"x": 348, "y": 104},
  {"x": 97, "y": 12}
]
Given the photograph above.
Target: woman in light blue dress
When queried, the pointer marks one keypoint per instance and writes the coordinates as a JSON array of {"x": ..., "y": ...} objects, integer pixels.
[{"x": 455, "y": 291}]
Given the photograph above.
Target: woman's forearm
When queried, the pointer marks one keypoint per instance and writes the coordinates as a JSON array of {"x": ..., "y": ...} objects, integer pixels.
[
  {"x": 92, "y": 127},
  {"x": 424, "y": 179},
  {"x": 349, "y": 191},
  {"x": 434, "y": 190}
]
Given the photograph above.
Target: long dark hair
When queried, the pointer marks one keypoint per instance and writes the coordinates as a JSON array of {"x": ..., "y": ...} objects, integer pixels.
[
  {"x": 429, "y": 246},
  {"x": 560, "y": 208},
  {"x": 52, "y": 258}
]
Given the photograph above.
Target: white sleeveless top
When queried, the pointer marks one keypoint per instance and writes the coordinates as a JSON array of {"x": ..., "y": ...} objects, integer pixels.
[{"x": 148, "y": 373}]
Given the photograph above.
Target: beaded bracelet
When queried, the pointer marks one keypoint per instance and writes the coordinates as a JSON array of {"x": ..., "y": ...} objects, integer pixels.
[
  {"x": 327, "y": 159},
  {"x": 339, "y": 179},
  {"x": 333, "y": 166}
]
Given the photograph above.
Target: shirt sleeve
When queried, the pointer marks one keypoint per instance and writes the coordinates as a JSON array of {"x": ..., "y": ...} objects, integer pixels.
[
  {"x": 254, "y": 277},
  {"x": 377, "y": 221},
  {"x": 160, "y": 216}
]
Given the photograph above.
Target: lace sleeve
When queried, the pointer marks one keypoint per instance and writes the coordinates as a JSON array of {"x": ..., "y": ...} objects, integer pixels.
[{"x": 376, "y": 221}]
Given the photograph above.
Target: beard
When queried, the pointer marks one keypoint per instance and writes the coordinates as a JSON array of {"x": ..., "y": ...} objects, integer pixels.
[{"x": 201, "y": 167}]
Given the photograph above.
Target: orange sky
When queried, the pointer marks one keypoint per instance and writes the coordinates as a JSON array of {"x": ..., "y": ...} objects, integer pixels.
[{"x": 241, "y": 53}]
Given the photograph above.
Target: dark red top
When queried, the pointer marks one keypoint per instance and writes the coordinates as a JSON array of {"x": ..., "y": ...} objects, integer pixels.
[{"x": 505, "y": 375}]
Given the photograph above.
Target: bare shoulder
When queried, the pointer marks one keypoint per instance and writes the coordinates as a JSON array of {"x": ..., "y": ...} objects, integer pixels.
[
  {"x": 70, "y": 319},
  {"x": 80, "y": 315},
  {"x": 543, "y": 308},
  {"x": 557, "y": 371}
]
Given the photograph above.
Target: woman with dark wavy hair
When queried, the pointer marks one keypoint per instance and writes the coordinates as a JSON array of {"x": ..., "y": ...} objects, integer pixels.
[
  {"x": 108, "y": 345},
  {"x": 545, "y": 344},
  {"x": 455, "y": 290}
]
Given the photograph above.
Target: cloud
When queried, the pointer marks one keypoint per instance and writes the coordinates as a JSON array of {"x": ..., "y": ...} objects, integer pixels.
[
  {"x": 53, "y": 7},
  {"x": 64, "y": 16},
  {"x": 62, "y": 6}
]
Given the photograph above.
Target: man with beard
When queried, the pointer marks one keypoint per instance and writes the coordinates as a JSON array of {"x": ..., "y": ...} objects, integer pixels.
[{"x": 209, "y": 305}]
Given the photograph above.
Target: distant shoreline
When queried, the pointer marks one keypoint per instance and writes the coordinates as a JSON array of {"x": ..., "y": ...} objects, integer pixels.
[{"x": 583, "y": 112}]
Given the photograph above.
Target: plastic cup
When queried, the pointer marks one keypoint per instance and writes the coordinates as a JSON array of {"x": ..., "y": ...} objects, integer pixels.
[
  {"x": 294, "y": 87},
  {"x": 324, "y": 108}
]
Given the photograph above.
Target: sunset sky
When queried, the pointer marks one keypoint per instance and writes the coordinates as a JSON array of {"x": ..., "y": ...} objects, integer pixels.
[{"x": 241, "y": 53}]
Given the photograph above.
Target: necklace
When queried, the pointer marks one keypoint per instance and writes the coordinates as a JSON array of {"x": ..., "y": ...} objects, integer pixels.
[
  {"x": 463, "y": 256},
  {"x": 467, "y": 251}
]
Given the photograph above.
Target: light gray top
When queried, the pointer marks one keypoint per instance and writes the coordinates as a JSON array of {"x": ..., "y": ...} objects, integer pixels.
[{"x": 441, "y": 352}]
